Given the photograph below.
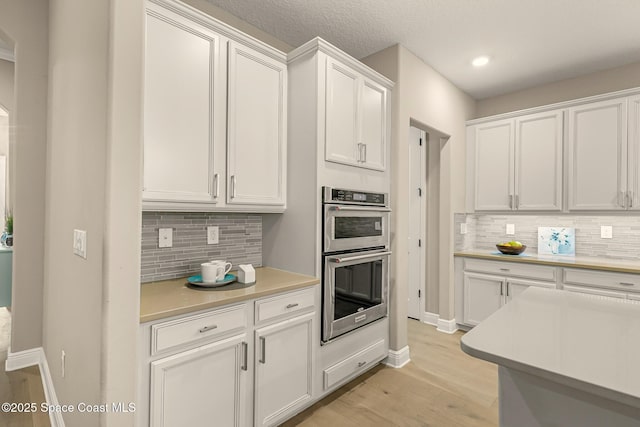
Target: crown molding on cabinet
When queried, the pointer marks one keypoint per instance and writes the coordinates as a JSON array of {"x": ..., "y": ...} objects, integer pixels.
[
  {"x": 556, "y": 106},
  {"x": 318, "y": 44},
  {"x": 221, "y": 28}
]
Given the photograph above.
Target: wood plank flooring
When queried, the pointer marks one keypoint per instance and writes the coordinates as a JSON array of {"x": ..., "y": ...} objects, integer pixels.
[
  {"x": 21, "y": 386},
  {"x": 441, "y": 386}
]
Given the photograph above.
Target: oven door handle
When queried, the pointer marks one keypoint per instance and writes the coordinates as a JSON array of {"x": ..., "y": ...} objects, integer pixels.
[
  {"x": 338, "y": 260},
  {"x": 359, "y": 208}
]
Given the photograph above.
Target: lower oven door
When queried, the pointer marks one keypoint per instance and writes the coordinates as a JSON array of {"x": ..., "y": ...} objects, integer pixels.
[{"x": 356, "y": 286}]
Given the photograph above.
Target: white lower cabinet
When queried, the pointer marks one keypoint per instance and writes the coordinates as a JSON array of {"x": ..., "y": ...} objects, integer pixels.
[
  {"x": 202, "y": 386},
  {"x": 488, "y": 285},
  {"x": 284, "y": 368},
  {"x": 204, "y": 369},
  {"x": 603, "y": 283}
]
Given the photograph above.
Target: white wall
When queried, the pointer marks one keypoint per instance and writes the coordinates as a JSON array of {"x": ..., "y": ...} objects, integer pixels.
[
  {"x": 91, "y": 308},
  {"x": 625, "y": 77},
  {"x": 423, "y": 95},
  {"x": 25, "y": 23}
]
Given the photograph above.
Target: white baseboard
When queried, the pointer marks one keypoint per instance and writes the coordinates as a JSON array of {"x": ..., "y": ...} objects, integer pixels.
[
  {"x": 397, "y": 359},
  {"x": 32, "y": 357},
  {"x": 430, "y": 318},
  {"x": 447, "y": 326}
]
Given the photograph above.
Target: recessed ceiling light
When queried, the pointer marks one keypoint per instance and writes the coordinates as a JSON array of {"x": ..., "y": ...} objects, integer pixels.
[{"x": 480, "y": 61}]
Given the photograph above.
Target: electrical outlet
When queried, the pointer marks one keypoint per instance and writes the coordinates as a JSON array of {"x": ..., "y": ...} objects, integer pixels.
[
  {"x": 165, "y": 237},
  {"x": 606, "y": 232},
  {"x": 80, "y": 243},
  {"x": 463, "y": 228},
  {"x": 511, "y": 229},
  {"x": 213, "y": 235}
]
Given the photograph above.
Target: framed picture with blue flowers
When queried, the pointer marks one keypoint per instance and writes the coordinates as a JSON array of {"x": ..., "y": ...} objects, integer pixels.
[{"x": 556, "y": 241}]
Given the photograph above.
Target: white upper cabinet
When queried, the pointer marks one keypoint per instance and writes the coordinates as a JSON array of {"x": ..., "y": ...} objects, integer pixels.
[
  {"x": 494, "y": 166},
  {"x": 518, "y": 163},
  {"x": 181, "y": 81},
  {"x": 633, "y": 153},
  {"x": 356, "y": 118},
  {"x": 256, "y": 129},
  {"x": 598, "y": 156},
  {"x": 214, "y": 115}
]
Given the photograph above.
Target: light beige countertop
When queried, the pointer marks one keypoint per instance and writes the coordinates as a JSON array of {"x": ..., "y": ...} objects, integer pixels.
[
  {"x": 168, "y": 298},
  {"x": 583, "y": 341},
  {"x": 593, "y": 263}
]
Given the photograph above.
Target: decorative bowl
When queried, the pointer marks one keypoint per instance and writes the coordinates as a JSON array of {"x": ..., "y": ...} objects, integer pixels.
[{"x": 511, "y": 250}]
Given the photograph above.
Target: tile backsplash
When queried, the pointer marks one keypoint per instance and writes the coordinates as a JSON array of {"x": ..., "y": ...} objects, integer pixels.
[
  {"x": 240, "y": 242},
  {"x": 485, "y": 230}
]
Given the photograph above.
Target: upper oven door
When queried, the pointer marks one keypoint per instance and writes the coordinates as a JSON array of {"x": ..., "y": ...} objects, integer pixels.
[{"x": 355, "y": 227}]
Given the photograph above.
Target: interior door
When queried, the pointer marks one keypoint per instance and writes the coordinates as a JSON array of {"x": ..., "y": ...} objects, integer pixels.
[{"x": 416, "y": 218}]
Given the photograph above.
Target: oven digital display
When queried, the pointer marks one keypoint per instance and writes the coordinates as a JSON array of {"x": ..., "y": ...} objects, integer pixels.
[{"x": 359, "y": 197}]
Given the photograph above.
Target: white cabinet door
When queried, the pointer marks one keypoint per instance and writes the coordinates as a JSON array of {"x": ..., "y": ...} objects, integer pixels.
[
  {"x": 181, "y": 81},
  {"x": 374, "y": 125},
  {"x": 342, "y": 115},
  {"x": 538, "y": 162},
  {"x": 516, "y": 286},
  {"x": 483, "y": 295},
  {"x": 598, "y": 155},
  {"x": 256, "y": 128},
  {"x": 633, "y": 180},
  {"x": 201, "y": 387},
  {"x": 494, "y": 149},
  {"x": 284, "y": 368}
]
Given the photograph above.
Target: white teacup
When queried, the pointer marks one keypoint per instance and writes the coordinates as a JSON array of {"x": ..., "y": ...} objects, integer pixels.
[
  {"x": 209, "y": 272},
  {"x": 222, "y": 268}
]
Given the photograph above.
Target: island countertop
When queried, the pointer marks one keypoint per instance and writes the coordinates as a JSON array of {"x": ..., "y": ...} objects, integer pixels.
[
  {"x": 582, "y": 341},
  {"x": 593, "y": 263},
  {"x": 168, "y": 298}
]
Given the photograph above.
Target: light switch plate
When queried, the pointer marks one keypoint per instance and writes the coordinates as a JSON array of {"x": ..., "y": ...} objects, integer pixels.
[
  {"x": 165, "y": 237},
  {"x": 213, "y": 235},
  {"x": 80, "y": 243},
  {"x": 606, "y": 232},
  {"x": 511, "y": 229}
]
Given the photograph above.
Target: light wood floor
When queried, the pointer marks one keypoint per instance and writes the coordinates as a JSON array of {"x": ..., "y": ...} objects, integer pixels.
[
  {"x": 441, "y": 386},
  {"x": 22, "y": 386}
]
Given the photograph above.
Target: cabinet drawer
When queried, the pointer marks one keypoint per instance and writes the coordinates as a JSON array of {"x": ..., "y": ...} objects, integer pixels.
[
  {"x": 352, "y": 364},
  {"x": 619, "y": 281},
  {"x": 593, "y": 291},
  {"x": 284, "y": 305},
  {"x": 198, "y": 327},
  {"x": 511, "y": 269}
]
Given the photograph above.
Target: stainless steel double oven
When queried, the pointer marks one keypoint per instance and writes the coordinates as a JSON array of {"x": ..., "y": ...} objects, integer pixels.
[{"x": 355, "y": 260}]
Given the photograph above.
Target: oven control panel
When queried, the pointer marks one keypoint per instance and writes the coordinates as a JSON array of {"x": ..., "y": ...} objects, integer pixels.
[{"x": 338, "y": 195}]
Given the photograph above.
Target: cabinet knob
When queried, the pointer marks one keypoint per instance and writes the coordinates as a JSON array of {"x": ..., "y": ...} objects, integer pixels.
[{"x": 292, "y": 305}]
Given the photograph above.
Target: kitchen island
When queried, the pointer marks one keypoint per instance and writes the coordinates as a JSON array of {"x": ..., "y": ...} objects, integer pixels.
[{"x": 565, "y": 359}]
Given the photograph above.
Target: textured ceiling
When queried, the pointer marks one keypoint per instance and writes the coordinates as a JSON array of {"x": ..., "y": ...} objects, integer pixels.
[{"x": 530, "y": 42}]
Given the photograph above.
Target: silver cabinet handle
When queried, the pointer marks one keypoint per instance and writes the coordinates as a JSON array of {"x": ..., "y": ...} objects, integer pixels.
[
  {"x": 364, "y": 148},
  {"x": 215, "y": 185},
  {"x": 630, "y": 198},
  {"x": 208, "y": 328},
  {"x": 508, "y": 289},
  {"x": 501, "y": 288},
  {"x": 245, "y": 355},
  {"x": 361, "y": 364},
  {"x": 263, "y": 351},
  {"x": 359, "y": 208},
  {"x": 621, "y": 199},
  {"x": 627, "y": 284},
  {"x": 233, "y": 186},
  {"x": 292, "y": 305},
  {"x": 357, "y": 257},
  {"x": 504, "y": 269}
]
